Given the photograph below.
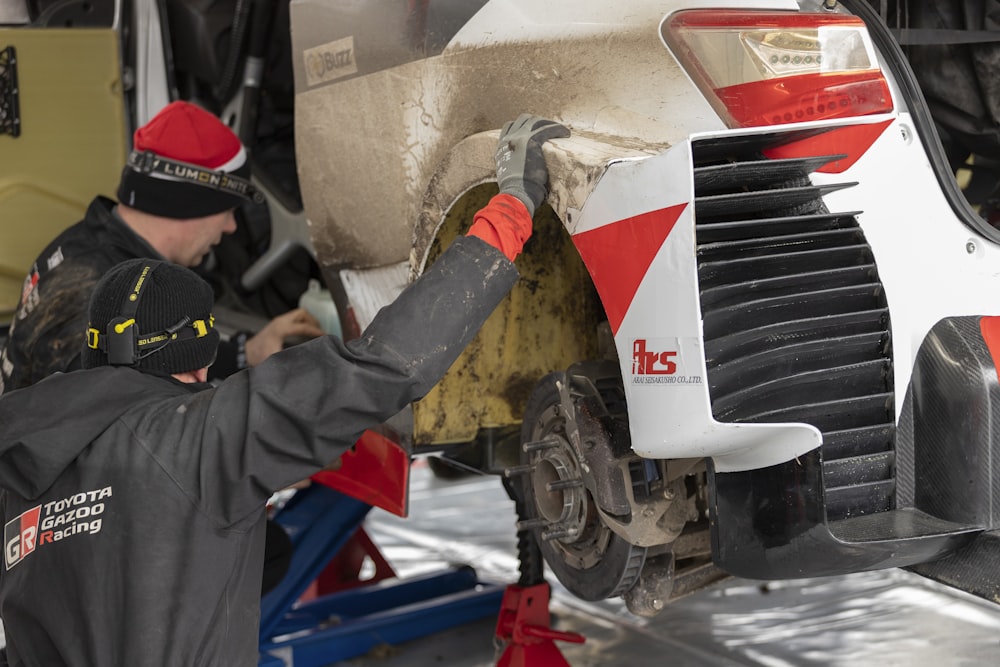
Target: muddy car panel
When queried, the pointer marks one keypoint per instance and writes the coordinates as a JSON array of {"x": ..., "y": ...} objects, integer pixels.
[{"x": 387, "y": 150}]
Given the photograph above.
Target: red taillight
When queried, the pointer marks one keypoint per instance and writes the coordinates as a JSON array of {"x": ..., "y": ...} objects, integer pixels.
[{"x": 767, "y": 68}]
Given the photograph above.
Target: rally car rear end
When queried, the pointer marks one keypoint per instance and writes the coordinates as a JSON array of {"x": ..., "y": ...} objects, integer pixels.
[{"x": 754, "y": 332}]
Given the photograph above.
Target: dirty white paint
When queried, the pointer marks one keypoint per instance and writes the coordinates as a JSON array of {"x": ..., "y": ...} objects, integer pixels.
[{"x": 368, "y": 146}]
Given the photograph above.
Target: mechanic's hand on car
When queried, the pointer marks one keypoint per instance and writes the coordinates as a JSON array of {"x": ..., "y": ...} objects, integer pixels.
[
  {"x": 506, "y": 222},
  {"x": 271, "y": 338},
  {"x": 521, "y": 170}
]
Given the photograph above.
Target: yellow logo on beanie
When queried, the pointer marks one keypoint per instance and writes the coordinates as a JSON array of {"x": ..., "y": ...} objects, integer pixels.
[{"x": 138, "y": 283}]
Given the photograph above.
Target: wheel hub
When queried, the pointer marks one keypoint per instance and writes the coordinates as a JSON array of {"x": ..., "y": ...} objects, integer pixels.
[
  {"x": 572, "y": 526},
  {"x": 560, "y": 496},
  {"x": 559, "y": 511}
]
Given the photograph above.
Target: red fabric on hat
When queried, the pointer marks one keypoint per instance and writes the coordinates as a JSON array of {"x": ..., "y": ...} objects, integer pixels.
[
  {"x": 504, "y": 223},
  {"x": 185, "y": 132}
]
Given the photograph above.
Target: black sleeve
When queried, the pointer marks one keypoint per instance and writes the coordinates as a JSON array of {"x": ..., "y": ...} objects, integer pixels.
[{"x": 277, "y": 423}]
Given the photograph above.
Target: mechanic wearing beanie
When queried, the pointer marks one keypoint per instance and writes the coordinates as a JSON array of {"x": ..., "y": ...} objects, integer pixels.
[
  {"x": 163, "y": 569},
  {"x": 186, "y": 175}
]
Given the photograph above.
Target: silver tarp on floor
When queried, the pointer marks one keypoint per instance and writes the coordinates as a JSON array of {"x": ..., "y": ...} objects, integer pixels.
[{"x": 885, "y": 618}]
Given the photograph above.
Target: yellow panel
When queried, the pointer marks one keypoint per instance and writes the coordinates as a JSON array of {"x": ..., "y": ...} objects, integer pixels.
[
  {"x": 548, "y": 322},
  {"x": 21, "y": 246},
  {"x": 72, "y": 145}
]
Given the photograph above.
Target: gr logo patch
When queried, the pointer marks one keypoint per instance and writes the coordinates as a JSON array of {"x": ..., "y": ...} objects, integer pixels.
[{"x": 19, "y": 536}]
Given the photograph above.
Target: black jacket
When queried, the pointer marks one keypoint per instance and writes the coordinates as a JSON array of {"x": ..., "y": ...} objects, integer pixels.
[
  {"x": 46, "y": 331},
  {"x": 133, "y": 504}
]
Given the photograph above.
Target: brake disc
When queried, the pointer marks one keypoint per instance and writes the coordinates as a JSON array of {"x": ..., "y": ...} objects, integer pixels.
[{"x": 587, "y": 557}]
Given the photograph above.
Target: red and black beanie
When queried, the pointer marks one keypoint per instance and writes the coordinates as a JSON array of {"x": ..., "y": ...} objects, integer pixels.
[
  {"x": 184, "y": 133},
  {"x": 152, "y": 315}
]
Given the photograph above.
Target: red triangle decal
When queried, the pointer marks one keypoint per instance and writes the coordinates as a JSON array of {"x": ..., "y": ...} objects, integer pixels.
[{"x": 619, "y": 254}]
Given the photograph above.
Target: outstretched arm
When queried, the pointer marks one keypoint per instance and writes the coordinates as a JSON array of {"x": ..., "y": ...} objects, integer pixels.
[{"x": 299, "y": 410}]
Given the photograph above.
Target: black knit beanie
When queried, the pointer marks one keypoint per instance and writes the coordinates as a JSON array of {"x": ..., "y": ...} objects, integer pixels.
[
  {"x": 188, "y": 135},
  {"x": 157, "y": 313}
]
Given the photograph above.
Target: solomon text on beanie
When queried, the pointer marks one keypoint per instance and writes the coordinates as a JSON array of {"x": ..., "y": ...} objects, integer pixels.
[
  {"x": 151, "y": 315},
  {"x": 185, "y": 163}
]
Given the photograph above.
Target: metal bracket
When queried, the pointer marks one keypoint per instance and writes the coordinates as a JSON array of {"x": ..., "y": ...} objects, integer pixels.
[{"x": 10, "y": 108}]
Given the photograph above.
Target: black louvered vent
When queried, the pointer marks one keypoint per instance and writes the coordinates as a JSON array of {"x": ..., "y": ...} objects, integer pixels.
[{"x": 795, "y": 319}]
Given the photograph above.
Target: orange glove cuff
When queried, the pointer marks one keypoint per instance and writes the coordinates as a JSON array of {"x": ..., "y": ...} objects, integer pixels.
[{"x": 504, "y": 223}]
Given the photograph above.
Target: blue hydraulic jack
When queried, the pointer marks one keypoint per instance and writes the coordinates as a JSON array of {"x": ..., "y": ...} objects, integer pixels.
[{"x": 347, "y": 623}]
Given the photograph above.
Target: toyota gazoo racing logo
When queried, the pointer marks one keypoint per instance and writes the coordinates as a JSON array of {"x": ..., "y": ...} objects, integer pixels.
[
  {"x": 659, "y": 362},
  {"x": 79, "y": 514}
]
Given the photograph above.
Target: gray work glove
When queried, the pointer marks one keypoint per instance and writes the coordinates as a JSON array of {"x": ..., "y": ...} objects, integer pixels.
[{"x": 521, "y": 167}]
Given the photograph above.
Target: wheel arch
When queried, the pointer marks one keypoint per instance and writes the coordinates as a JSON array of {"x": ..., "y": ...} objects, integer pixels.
[{"x": 553, "y": 316}]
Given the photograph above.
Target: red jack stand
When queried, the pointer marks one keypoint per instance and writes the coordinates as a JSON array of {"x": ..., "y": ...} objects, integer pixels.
[
  {"x": 524, "y": 626},
  {"x": 344, "y": 571}
]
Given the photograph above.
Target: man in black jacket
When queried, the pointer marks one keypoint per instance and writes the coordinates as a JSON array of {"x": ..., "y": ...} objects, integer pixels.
[
  {"x": 185, "y": 177},
  {"x": 133, "y": 493}
]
